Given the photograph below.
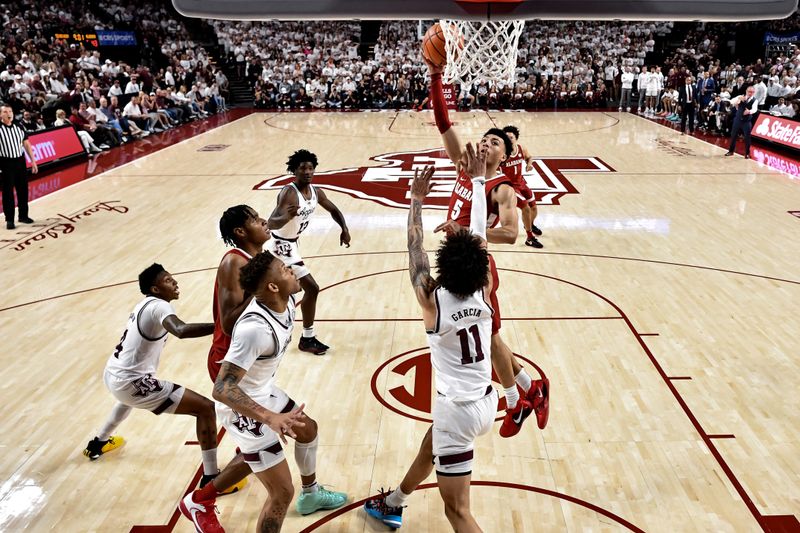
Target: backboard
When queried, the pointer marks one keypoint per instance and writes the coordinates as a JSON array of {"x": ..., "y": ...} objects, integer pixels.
[{"x": 709, "y": 10}]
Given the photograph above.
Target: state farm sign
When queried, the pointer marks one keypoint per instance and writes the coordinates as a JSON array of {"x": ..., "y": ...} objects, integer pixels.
[{"x": 778, "y": 129}]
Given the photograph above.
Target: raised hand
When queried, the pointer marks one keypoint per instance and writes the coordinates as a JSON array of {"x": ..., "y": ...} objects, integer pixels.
[
  {"x": 476, "y": 162},
  {"x": 421, "y": 184}
]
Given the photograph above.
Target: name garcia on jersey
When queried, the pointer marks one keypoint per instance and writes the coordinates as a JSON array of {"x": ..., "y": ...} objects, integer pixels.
[{"x": 464, "y": 313}]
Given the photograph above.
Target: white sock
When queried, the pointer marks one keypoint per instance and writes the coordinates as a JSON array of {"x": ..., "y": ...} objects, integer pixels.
[
  {"x": 314, "y": 487},
  {"x": 119, "y": 413},
  {"x": 397, "y": 498},
  {"x": 210, "y": 462},
  {"x": 305, "y": 455},
  {"x": 523, "y": 380},
  {"x": 512, "y": 396},
  {"x": 308, "y": 332}
]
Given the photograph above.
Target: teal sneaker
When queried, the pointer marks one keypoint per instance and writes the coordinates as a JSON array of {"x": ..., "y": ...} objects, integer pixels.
[{"x": 310, "y": 502}]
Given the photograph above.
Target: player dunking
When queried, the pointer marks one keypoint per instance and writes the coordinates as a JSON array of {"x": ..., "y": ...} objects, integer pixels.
[
  {"x": 296, "y": 203},
  {"x": 130, "y": 371},
  {"x": 255, "y": 412},
  {"x": 519, "y": 162},
  {"x": 501, "y": 201},
  {"x": 458, "y": 321}
]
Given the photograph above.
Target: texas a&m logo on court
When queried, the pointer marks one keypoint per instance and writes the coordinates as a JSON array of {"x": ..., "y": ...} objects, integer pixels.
[
  {"x": 404, "y": 384},
  {"x": 388, "y": 182}
]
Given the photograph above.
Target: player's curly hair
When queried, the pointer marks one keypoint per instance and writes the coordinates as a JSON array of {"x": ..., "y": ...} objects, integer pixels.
[
  {"x": 500, "y": 133},
  {"x": 512, "y": 129},
  {"x": 300, "y": 156},
  {"x": 234, "y": 217},
  {"x": 462, "y": 263},
  {"x": 148, "y": 278},
  {"x": 253, "y": 272}
]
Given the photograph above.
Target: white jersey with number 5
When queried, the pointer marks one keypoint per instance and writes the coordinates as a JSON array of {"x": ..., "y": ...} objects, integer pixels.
[
  {"x": 142, "y": 342},
  {"x": 461, "y": 345},
  {"x": 305, "y": 208}
]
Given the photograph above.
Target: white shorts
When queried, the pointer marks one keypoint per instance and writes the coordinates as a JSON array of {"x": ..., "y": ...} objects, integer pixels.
[
  {"x": 261, "y": 447},
  {"x": 455, "y": 427},
  {"x": 651, "y": 92},
  {"x": 146, "y": 392},
  {"x": 289, "y": 252}
]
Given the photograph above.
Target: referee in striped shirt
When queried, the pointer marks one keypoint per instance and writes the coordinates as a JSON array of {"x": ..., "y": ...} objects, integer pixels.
[{"x": 13, "y": 138}]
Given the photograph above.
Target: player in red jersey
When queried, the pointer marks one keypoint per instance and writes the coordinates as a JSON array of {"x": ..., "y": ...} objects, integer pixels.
[
  {"x": 240, "y": 227},
  {"x": 519, "y": 162},
  {"x": 495, "y": 147}
]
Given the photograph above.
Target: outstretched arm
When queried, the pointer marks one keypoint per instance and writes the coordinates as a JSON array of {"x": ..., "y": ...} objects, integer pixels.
[
  {"x": 418, "y": 266},
  {"x": 451, "y": 142},
  {"x": 180, "y": 329},
  {"x": 338, "y": 217}
]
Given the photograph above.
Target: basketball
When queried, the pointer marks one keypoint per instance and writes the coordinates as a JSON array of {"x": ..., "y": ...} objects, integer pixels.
[{"x": 433, "y": 49}]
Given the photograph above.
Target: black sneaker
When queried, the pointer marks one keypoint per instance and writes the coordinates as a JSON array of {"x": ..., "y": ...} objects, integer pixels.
[
  {"x": 536, "y": 231},
  {"x": 97, "y": 447},
  {"x": 532, "y": 241},
  {"x": 10, "y": 224},
  {"x": 26, "y": 220},
  {"x": 312, "y": 345}
]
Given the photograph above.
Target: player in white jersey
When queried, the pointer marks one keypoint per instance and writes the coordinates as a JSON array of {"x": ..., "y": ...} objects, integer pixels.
[
  {"x": 296, "y": 203},
  {"x": 458, "y": 321},
  {"x": 130, "y": 371},
  {"x": 255, "y": 412}
]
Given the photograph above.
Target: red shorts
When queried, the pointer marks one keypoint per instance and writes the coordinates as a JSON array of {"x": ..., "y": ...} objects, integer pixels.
[
  {"x": 493, "y": 296},
  {"x": 215, "y": 354},
  {"x": 524, "y": 195}
]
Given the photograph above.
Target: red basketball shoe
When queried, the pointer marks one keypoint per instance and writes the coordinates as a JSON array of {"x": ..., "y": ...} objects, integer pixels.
[
  {"x": 514, "y": 418},
  {"x": 539, "y": 397},
  {"x": 203, "y": 515}
]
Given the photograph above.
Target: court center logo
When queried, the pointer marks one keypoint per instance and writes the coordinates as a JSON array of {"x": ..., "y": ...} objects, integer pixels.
[
  {"x": 404, "y": 384},
  {"x": 388, "y": 182}
]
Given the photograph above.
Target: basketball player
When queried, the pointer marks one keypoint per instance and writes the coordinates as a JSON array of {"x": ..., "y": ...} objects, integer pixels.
[
  {"x": 526, "y": 203},
  {"x": 501, "y": 201},
  {"x": 458, "y": 321},
  {"x": 129, "y": 372},
  {"x": 296, "y": 203},
  {"x": 240, "y": 227},
  {"x": 255, "y": 412}
]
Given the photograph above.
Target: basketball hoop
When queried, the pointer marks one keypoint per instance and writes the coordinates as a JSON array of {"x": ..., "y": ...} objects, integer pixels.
[{"x": 481, "y": 51}]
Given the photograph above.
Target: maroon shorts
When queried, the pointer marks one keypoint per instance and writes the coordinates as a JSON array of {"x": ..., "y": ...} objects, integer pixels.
[
  {"x": 493, "y": 296},
  {"x": 525, "y": 193},
  {"x": 215, "y": 357}
]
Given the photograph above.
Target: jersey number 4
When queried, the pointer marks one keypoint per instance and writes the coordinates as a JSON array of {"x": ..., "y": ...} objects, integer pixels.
[
  {"x": 466, "y": 353},
  {"x": 118, "y": 349}
]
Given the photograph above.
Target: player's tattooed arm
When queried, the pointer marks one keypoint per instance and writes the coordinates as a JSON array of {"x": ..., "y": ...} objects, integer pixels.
[
  {"x": 227, "y": 391},
  {"x": 180, "y": 329},
  {"x": 418, "y": 266}
]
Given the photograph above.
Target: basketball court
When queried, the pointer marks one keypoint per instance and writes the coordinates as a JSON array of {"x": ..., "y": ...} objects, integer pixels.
[{"x": 661, "y": 309}]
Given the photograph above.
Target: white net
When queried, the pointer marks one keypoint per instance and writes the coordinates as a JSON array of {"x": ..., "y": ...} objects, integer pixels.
[{"x": 481, "y": 51}]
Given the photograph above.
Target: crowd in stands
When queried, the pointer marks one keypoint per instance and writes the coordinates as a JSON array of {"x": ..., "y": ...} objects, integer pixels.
[
  {"x": 561, "y": 64},
  {"x": 319, "y": 65},
  {"x": 48, "y": 82}
]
